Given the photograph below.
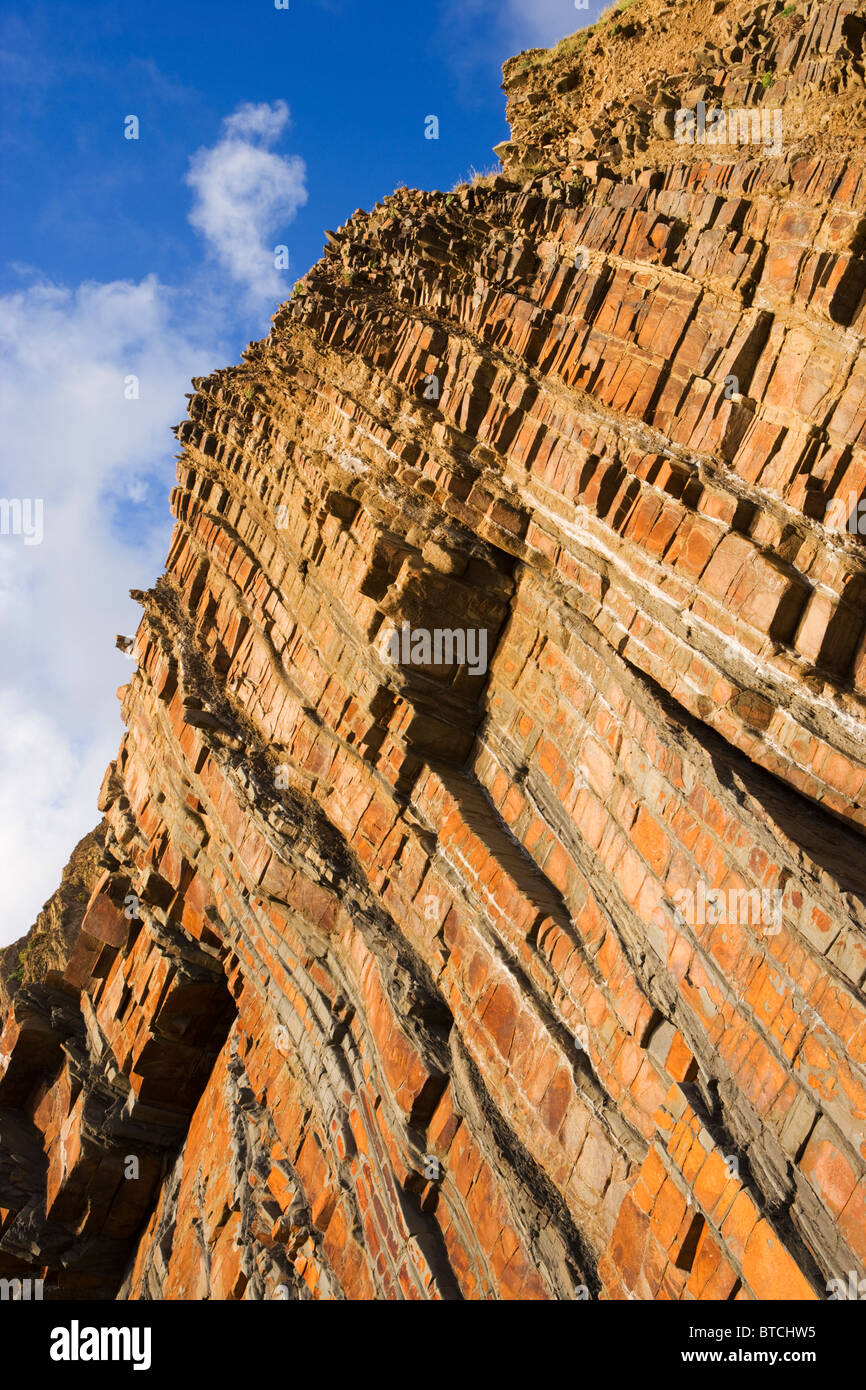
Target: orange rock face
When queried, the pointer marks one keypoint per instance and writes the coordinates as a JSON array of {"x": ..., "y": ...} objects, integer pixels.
[{"x": 536, "y": 976}]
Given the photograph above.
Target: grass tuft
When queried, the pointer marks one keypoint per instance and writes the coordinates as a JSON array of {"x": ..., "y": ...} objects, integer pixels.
[{"x": 477, "y": 178}]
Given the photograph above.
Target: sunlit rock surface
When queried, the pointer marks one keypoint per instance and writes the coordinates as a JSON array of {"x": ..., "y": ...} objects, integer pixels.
[{"x": 542, "y": 981}]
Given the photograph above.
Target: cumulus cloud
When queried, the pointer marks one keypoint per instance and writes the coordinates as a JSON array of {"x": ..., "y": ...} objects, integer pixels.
[
  {"x": 47, "y": 802},
  {"x": 246, "y": 194},
  {"x": 100, "y": 458},
  {"x": 91, "y": 380},
  {"x": 257, "y": 121}
]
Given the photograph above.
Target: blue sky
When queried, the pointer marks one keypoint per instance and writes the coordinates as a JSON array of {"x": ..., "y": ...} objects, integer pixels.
[
  {"x": 153, "y": 259},
  {"x": 359, "y": 78}
]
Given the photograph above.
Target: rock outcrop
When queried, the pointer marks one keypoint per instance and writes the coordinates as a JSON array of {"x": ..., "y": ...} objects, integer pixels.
[
  {"x": 537, "y": 975},
  {"x": 49, "y": 941}
]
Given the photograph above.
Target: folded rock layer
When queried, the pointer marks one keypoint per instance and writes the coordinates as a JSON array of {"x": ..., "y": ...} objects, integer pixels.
[{"x": 537, "y": 975}]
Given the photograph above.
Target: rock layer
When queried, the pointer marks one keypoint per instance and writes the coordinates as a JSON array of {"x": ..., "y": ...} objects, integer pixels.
[{"x": 386, "y": 989}]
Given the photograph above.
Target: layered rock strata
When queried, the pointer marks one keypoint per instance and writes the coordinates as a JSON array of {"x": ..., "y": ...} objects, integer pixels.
[{"x": 389, "y": 987}]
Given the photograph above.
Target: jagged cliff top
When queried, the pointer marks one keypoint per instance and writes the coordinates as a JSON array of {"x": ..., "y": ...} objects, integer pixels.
[{"x": 604, "y": 90}]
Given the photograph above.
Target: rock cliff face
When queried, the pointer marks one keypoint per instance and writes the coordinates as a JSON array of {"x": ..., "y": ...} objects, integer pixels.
[{"x": 537, "y": 975}]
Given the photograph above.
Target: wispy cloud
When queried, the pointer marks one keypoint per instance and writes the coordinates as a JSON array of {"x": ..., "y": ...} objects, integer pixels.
[
  {"x": 479, "y": 35},
  {"x": 77, "y": 437},
  {"x": 91, "y": 380},
  {"x": 541, "y": 23},
  {"x": 246, "y": 194}
]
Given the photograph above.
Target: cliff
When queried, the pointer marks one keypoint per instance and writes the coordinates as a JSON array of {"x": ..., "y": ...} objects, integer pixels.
[{"x": 527, "y": 964}]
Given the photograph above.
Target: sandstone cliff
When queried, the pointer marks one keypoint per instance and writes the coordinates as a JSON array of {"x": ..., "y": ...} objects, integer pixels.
[{"x": 389, "y": 987}]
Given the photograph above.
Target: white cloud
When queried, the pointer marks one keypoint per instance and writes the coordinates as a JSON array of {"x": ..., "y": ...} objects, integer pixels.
[
  {"x": 47, "y": 802},
  {"x": 246, "y": 194},
  {"x": 257, "y": 120},
  {"x": 101, "y": 460},
  {"x": 479, "y": 35},
  {"x": 542, "y": 23},
  {"x": 71, "y": 438}
]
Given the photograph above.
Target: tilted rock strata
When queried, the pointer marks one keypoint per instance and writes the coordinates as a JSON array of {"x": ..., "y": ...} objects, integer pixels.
[{"x": 404, "y": 1008}]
